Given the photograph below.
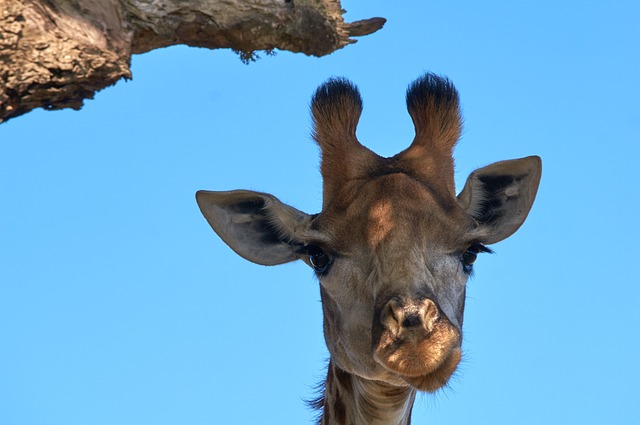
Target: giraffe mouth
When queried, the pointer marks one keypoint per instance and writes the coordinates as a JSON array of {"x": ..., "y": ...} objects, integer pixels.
[
  {"x": 423, "y": 360},
  {"x": 437, "y": 379}
]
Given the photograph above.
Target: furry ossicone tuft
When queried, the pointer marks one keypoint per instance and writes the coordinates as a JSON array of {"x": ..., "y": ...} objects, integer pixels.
[
  {"x": 434, "y": 106},
  {"x": 336, "y": 107}
]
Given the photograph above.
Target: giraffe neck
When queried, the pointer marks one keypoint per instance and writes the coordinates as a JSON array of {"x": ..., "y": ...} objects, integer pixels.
[{"x": 352, "y": 400}]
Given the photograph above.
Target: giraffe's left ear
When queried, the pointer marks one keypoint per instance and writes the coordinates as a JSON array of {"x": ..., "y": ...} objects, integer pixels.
[
  {"x": 257, "y": 226},
  {"x": 499, "y": 196}
]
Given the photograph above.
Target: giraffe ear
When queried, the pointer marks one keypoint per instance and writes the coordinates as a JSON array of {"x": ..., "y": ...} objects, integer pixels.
[
  {"x": 499, "y": 196},
  {"x": 257, "y": 226}
]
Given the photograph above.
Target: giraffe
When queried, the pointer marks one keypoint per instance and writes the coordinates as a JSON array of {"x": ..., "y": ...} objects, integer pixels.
[{"x": 392, "y": 247}]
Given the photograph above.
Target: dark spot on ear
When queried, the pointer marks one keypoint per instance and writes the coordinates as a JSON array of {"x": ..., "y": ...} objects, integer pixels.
[
  {"x": 490, "y": 210},
  {"x": 260, "y": 224},
  {"x": 494, "y": 184},
  {"x": 269, "y": 234},
  {"x": 495, "y": 197},
  {"x": 249, "y": 206}
]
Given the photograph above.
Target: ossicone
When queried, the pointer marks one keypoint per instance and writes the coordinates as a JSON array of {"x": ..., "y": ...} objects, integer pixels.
[
  {"x": 434, "y": 106},
  {"x": 336, "y": 107}
]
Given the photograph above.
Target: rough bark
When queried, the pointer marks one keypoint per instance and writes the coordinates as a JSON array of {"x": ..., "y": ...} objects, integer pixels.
[{"x": 56, "y": 53}]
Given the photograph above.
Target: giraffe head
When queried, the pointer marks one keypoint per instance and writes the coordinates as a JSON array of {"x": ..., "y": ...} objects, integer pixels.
[{"x": 393, "y": 246}]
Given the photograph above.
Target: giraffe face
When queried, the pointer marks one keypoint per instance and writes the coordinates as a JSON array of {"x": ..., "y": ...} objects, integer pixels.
[
  {"x": 393, "y": 246},
  {"x": 393, "y": 278}
]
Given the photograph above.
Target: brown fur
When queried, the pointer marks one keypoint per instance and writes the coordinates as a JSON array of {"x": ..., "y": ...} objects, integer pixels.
[
  {"x": 336, "y": 107},
  {"x": 434, "y": 108},
  {"x": 344, "y": 391},
  {"x": 390, "y": 247}
]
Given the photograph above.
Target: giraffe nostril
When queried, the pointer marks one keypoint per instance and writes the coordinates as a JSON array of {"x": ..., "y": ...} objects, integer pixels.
[
  {"x": 411, "y": 320},
  {"x": 410, "y": 315},
  {"x": 429, "y": 313}
]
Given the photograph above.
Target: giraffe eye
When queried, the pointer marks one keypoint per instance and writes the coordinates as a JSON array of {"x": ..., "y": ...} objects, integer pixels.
[
  {"x": 469, "y": 257},
  {"x": 320, "y": 260},
  {"x": 471, "y": 254}
]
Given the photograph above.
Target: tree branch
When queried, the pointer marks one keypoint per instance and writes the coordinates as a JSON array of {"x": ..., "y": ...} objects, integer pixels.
[{"x": 56, "y": 53}]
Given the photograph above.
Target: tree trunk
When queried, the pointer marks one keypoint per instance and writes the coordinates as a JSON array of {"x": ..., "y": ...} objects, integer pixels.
[{"x": 56, "y": 53}]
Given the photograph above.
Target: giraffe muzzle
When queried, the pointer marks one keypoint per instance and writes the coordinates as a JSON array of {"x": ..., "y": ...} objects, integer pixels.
[{"x": 417, "y": 342}]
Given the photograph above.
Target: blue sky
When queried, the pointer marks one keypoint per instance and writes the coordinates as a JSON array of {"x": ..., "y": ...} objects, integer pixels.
[{"x": 119, "y": 306}]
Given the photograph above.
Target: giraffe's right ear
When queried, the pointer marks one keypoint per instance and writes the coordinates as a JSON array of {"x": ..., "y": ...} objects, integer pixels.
[
  {"x": 499, "y": 196},
  {"x": 257, "y": 226}
]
